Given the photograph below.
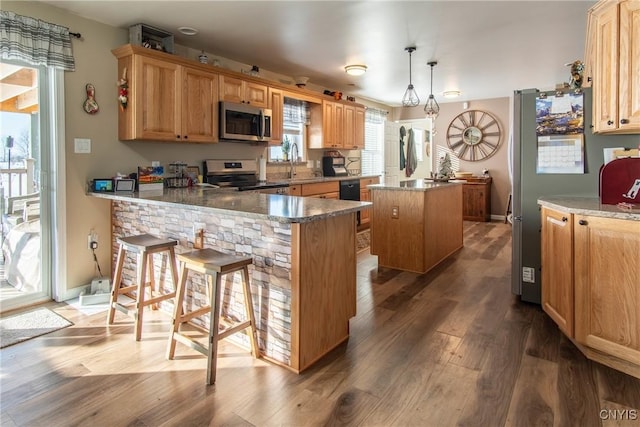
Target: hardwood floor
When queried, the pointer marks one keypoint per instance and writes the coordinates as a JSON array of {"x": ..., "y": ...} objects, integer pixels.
[{"x": 449, "y": 347}]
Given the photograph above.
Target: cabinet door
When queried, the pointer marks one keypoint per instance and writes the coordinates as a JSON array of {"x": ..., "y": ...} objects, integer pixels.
[
  {"x": 339, "y": 125},
  {"x": 629, "y": 91},
  {"x": 231, "y": 89},
  {"x": 349, "y": 127},
  {"x": 157, "y": 96},
  {"x": 276, "y": 105},
  {"x": 605, "y": 73},
  {"x": 329, "y": 124},
  {"x": 557, "y": 268},
  {"x": 607, "y": 285},
  {"x": 473, "y": 202},
  {"x": 199, "y": 106},
  {"x": 365, "y": 196},
  {"x": 256, "y": 94},
  {"x": 359, "y": 129}
]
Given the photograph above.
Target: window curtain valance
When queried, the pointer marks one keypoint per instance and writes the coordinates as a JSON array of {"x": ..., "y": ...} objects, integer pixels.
[
  {"x": 35, "y": 42},
  {"x": 296, "y": 111},
  {"x": 371, "y": 115}
]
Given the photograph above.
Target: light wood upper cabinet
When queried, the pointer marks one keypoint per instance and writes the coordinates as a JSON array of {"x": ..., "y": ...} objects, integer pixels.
[
  {"x": 276, "y": 104},
  {"x": 613, "y": 64},
  {"x": 199, "y": 106},
  {"x": 342, "y": 126},
  {"x": 557, "y": 268},
  {"x": 359, "y": 129},
  {"x": 607, "y": 285},
  {"x": 233, "y": 89},
  {"x": 167, "y": 101}
]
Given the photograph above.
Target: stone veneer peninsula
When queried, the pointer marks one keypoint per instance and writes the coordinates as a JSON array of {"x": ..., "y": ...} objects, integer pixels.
[{"x": 303, "y": 277}]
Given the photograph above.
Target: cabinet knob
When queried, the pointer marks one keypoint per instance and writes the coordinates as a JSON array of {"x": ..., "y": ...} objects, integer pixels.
[
  {"x": 609, "y": 122},
  {"x": 177, "y": 136},
  {"x": 186, "y": 136},
  {"x": 589, "y": 79},
  {"x": 582, "y": 222},
  {"x": 565, "y": 219},
  {"x": 624, "y": 121}
]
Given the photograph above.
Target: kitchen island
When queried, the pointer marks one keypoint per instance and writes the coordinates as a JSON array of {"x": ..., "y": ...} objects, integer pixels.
[
  {"x": 303, "y": 277},
  {"x": 415, "y": 224}
]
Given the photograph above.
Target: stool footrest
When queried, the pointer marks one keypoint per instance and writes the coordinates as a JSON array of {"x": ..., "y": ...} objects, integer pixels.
[
  {"x": 189, "y": 342},
  {"x": 233, "y": 329},
  {"x": 127, "y": 289},
  {"x": 199, "y": 312},
  {"x": 159, "y": 298},
  {"x": 123, "y": 309}
]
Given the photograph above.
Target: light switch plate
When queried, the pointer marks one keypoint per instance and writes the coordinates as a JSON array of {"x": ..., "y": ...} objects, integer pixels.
[{"x": 82, "y": 145}]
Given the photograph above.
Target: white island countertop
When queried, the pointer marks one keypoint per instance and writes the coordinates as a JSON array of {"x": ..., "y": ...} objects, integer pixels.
[{"x": 281, "y": 208}]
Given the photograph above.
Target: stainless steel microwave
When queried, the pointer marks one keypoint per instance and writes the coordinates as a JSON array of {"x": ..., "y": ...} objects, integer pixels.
[{"x": 244, "y": 122}]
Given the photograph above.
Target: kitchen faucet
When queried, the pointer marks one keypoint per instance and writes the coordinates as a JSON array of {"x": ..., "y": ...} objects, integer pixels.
[{"x": 292, "y": 160}]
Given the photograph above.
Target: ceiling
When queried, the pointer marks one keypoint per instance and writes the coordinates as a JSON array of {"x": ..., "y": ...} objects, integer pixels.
[{"x": 485, "y": 49}]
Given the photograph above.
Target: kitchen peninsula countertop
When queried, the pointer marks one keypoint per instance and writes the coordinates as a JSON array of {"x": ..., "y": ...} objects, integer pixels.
[
  {"x": 281, "y": 208},
  {"x": 588, "y": 206},
  {"x": 313, "y": 180},
  {"x": 415, "y": 185}
]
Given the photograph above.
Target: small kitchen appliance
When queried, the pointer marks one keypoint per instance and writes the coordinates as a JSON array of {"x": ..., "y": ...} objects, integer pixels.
[{"x": 334, "y": 166}]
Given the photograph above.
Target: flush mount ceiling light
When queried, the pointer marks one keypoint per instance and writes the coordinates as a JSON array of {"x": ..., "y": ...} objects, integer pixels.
[
  {"x": 431, "y": 107},
  {"x": 188, "y": 31},
  {"x": 451, "y": 93},
  {"x": 410, "y": 98},
  {"x": 356, "y": 69}
]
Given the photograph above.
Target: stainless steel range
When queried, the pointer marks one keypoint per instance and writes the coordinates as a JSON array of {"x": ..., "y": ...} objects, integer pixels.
[{"x": 241, "y": 175}]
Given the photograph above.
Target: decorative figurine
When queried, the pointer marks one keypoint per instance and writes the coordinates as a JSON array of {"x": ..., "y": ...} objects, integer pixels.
[
  {"x": 123, "y": 90},
  {"x": 577, "y": 68}
]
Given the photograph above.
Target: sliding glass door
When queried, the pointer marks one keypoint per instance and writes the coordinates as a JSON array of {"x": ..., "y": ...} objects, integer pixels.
[{"x": 26, "y": 156}]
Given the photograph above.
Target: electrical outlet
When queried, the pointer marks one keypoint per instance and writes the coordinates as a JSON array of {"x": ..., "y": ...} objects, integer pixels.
[
  {"x": 92, "y": 240},
  {"x": 395, "y": 212}
]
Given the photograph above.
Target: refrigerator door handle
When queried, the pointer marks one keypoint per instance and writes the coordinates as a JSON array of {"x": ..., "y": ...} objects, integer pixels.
[{"x": 517, "y": 218}]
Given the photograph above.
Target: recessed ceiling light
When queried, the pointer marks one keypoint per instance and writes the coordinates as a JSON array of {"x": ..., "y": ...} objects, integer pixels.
[
  {"x": 356, "y": 69},
  {"x": 188, "y": 31},
  {"x": 451, "y": 93}
]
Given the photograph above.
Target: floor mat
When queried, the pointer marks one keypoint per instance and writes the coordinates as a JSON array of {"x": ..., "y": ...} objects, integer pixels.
[{"x": 24, "y": 326}]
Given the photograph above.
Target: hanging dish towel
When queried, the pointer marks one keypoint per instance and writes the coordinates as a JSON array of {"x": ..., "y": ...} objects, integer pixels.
[
  {"x": 412, "y": 156},
  {"x": 403, "y": 132}
]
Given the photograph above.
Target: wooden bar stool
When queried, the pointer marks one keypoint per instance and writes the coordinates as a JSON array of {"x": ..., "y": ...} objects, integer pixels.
[
  {"x": 213, "y": 265},
  {"x": 144, "y": 245}
]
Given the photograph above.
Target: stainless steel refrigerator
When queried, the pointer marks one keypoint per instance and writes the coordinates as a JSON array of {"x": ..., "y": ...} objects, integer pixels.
[{"x": 528, "y": 185}]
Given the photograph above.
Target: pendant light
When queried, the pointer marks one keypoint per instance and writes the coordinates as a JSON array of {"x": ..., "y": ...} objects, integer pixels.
[
  {"x": 431, "y": 108},
  {"x": 410, "y": 98}
]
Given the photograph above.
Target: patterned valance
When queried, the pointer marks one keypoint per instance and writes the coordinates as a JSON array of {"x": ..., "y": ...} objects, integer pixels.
[
  {"x": 371, "y": 115},
  {"x": 296, "y": 111},
  {"x": 35, "y": 42}
]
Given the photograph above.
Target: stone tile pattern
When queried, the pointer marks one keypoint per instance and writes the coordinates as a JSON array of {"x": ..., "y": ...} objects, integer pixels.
[{"x": 267, "y": 242}]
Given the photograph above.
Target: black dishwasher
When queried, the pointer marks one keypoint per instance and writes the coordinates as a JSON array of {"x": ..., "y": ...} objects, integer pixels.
[{"x": 350, "y": 190}]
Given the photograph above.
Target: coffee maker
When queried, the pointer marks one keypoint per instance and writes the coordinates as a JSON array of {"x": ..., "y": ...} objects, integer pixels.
[{"x": 334, "y": 166}]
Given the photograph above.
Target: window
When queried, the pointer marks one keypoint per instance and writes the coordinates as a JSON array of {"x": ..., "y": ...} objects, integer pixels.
[
  {"x": 373, "y": 153},
  {"x": 295, "y": 119}
]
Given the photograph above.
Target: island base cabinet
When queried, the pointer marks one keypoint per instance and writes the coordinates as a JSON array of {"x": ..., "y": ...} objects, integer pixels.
[
  {"x": 323, "y": 291},
  {"x": 416, "y": 230},
  {"x": 607, "y": 288}
]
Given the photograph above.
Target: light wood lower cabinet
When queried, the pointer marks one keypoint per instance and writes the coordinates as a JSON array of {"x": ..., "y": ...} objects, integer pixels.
[
  {"x": 365, "y": 196},
  {"x": 607, "y": 286},
  {"x": 591, "y": 285},
  {"x": 557, "y": 268}
]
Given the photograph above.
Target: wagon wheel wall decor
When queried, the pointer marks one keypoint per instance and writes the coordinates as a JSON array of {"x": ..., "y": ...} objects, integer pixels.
[{"x": 474, "y": 135}]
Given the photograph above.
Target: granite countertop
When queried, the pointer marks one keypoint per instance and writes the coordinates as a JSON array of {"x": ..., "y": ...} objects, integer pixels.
[
  {"x": 298, "y": 181},
  {"x": 415, "y": 185},
  {"x": 275, "y": 207},
  {"x": 589, "y": 206}
]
